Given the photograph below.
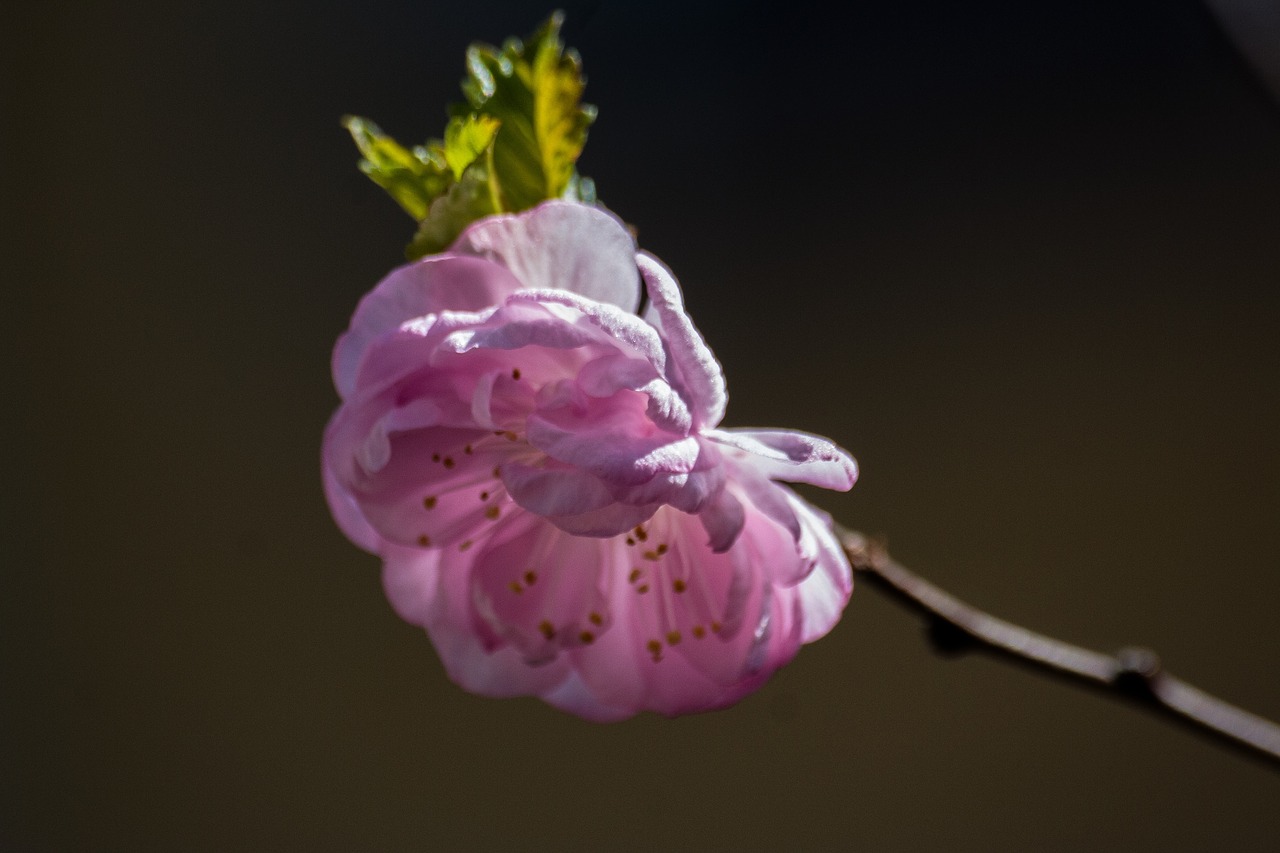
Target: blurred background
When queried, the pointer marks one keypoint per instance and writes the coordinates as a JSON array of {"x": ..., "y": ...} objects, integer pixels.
[{"x": 1019, "y": 258}]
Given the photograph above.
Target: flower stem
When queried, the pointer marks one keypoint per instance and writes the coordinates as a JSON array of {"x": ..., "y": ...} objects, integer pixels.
[{"x": 1133, "y": 674}]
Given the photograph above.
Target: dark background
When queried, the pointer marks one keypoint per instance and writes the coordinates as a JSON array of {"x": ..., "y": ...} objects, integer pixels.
[{"x": 1020, "y": 258}]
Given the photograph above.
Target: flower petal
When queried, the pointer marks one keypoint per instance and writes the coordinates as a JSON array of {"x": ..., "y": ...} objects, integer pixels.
[
  {"x": 692, "y": 368},
  {"x": 429, "y": 286},
  {"x": 612, "y": 438},
  {"x": 562, "y": 246},
  {"x": 824, "y": 593},
  {"x": 723, "y": 520},
  {"x": 540, "y": 590},
  {"x": 796, "y": 457},
  {"x": 347, "y": 514},
  {"x": 555, "y": 490}
]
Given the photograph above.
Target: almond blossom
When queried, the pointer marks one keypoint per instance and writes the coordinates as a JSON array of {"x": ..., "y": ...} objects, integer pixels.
[{"x": 542, "y": 471}]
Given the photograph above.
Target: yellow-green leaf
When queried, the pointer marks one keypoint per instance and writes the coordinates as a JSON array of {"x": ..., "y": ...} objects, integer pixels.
[
  {"x": 413, "y": 177},
  {"x": 466, "y": 138},
  {"x": 535, "y": 90}
]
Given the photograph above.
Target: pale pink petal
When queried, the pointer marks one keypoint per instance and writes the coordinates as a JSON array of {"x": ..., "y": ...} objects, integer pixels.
[
  {"x": 766, "y": 496},
  {"x": 824, "y": 593},
  {"x": 563, "y": 246},
  {"x": 411, "y": 580},
  {"x": 429, "y": 286},
  {"x": 346, "y": 512},
  {"x": 723, "y": 520},
  {"x": 793, "y": 456},
  {"x": 574, "y": 696},
  {"x": 439, "y": 488},
  {"x": 612, "y": 438},
  {"x": 606, "y": 521},
  {"x": 541, "y": 590},
  {"x": 666, "y": 408},
  {"x": 691, "y": 368},
  {"x": 614, "y": 323},
  {"x": 555, "y": 490}
]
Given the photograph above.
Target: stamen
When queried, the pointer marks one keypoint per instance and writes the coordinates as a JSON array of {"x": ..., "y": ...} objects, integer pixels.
[
  {"x": 587, "y": 637},
  {"x": 424, "y": 540},
  {"x": 515, "y": 374},
  {"x": 548, "y": 630},
  {"x": 595, "y": 619},
  {"x": 429, "y": 502},
  {"x": 515, "y": 587},
  {"x": 634, "y": 576},
  {"x": 492, "y": 513},
  {"x": 530, "y": 577}
]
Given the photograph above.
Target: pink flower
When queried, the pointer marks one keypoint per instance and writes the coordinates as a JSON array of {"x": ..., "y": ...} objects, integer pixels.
[{"x": 542, "y": 473}]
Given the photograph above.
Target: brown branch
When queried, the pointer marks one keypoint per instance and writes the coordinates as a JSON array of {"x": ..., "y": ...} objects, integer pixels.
[{"x": 1133, "y": 674}]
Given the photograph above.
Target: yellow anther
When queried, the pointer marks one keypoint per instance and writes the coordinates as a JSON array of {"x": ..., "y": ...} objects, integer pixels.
[
  {"x": 699, "y": 631},
  {"x": 465, "y": 545},
  {"x": 448, "y": 462},
  {"x": 634, "y": 576},
  {"x": 715, "y": 627},
  {"x": 492, "y": 512},
  {"x": 643, "y": 588},
  {"x": 679, "y": 585},
  {"x": 515, "y": 587},
  {"x": 587, "y": 637},
  {"x": 651, "y": 555},
  {"x": 662, "y": 549},
  {"x": 548, "y": 630},
  {"x": 424, "y": 540},
  {"x": 673, "y": 637},
  {"x": 640, "y": 533},
  {"x": 595, "y": 619},
  {"x": 429, "y": 503},
  {"x": 655, "y": 649},
  {"x": 531, "y": 577}
]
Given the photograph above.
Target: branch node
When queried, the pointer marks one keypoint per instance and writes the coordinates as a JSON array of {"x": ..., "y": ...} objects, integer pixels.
[{"x": 1136, "y": 671}]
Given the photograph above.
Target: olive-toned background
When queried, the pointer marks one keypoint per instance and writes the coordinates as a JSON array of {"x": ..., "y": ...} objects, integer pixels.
[{"x": 1020, "y": 258}]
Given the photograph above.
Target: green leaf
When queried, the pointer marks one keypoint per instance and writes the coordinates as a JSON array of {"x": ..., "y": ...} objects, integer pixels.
[
  {"x": 466, "y": 138},
  {"x": 535, "y": 91},
  {"x": 414, "y": 178},
  {"x": 513, "y": 145},
  {"x": 467, "y": 200}
]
